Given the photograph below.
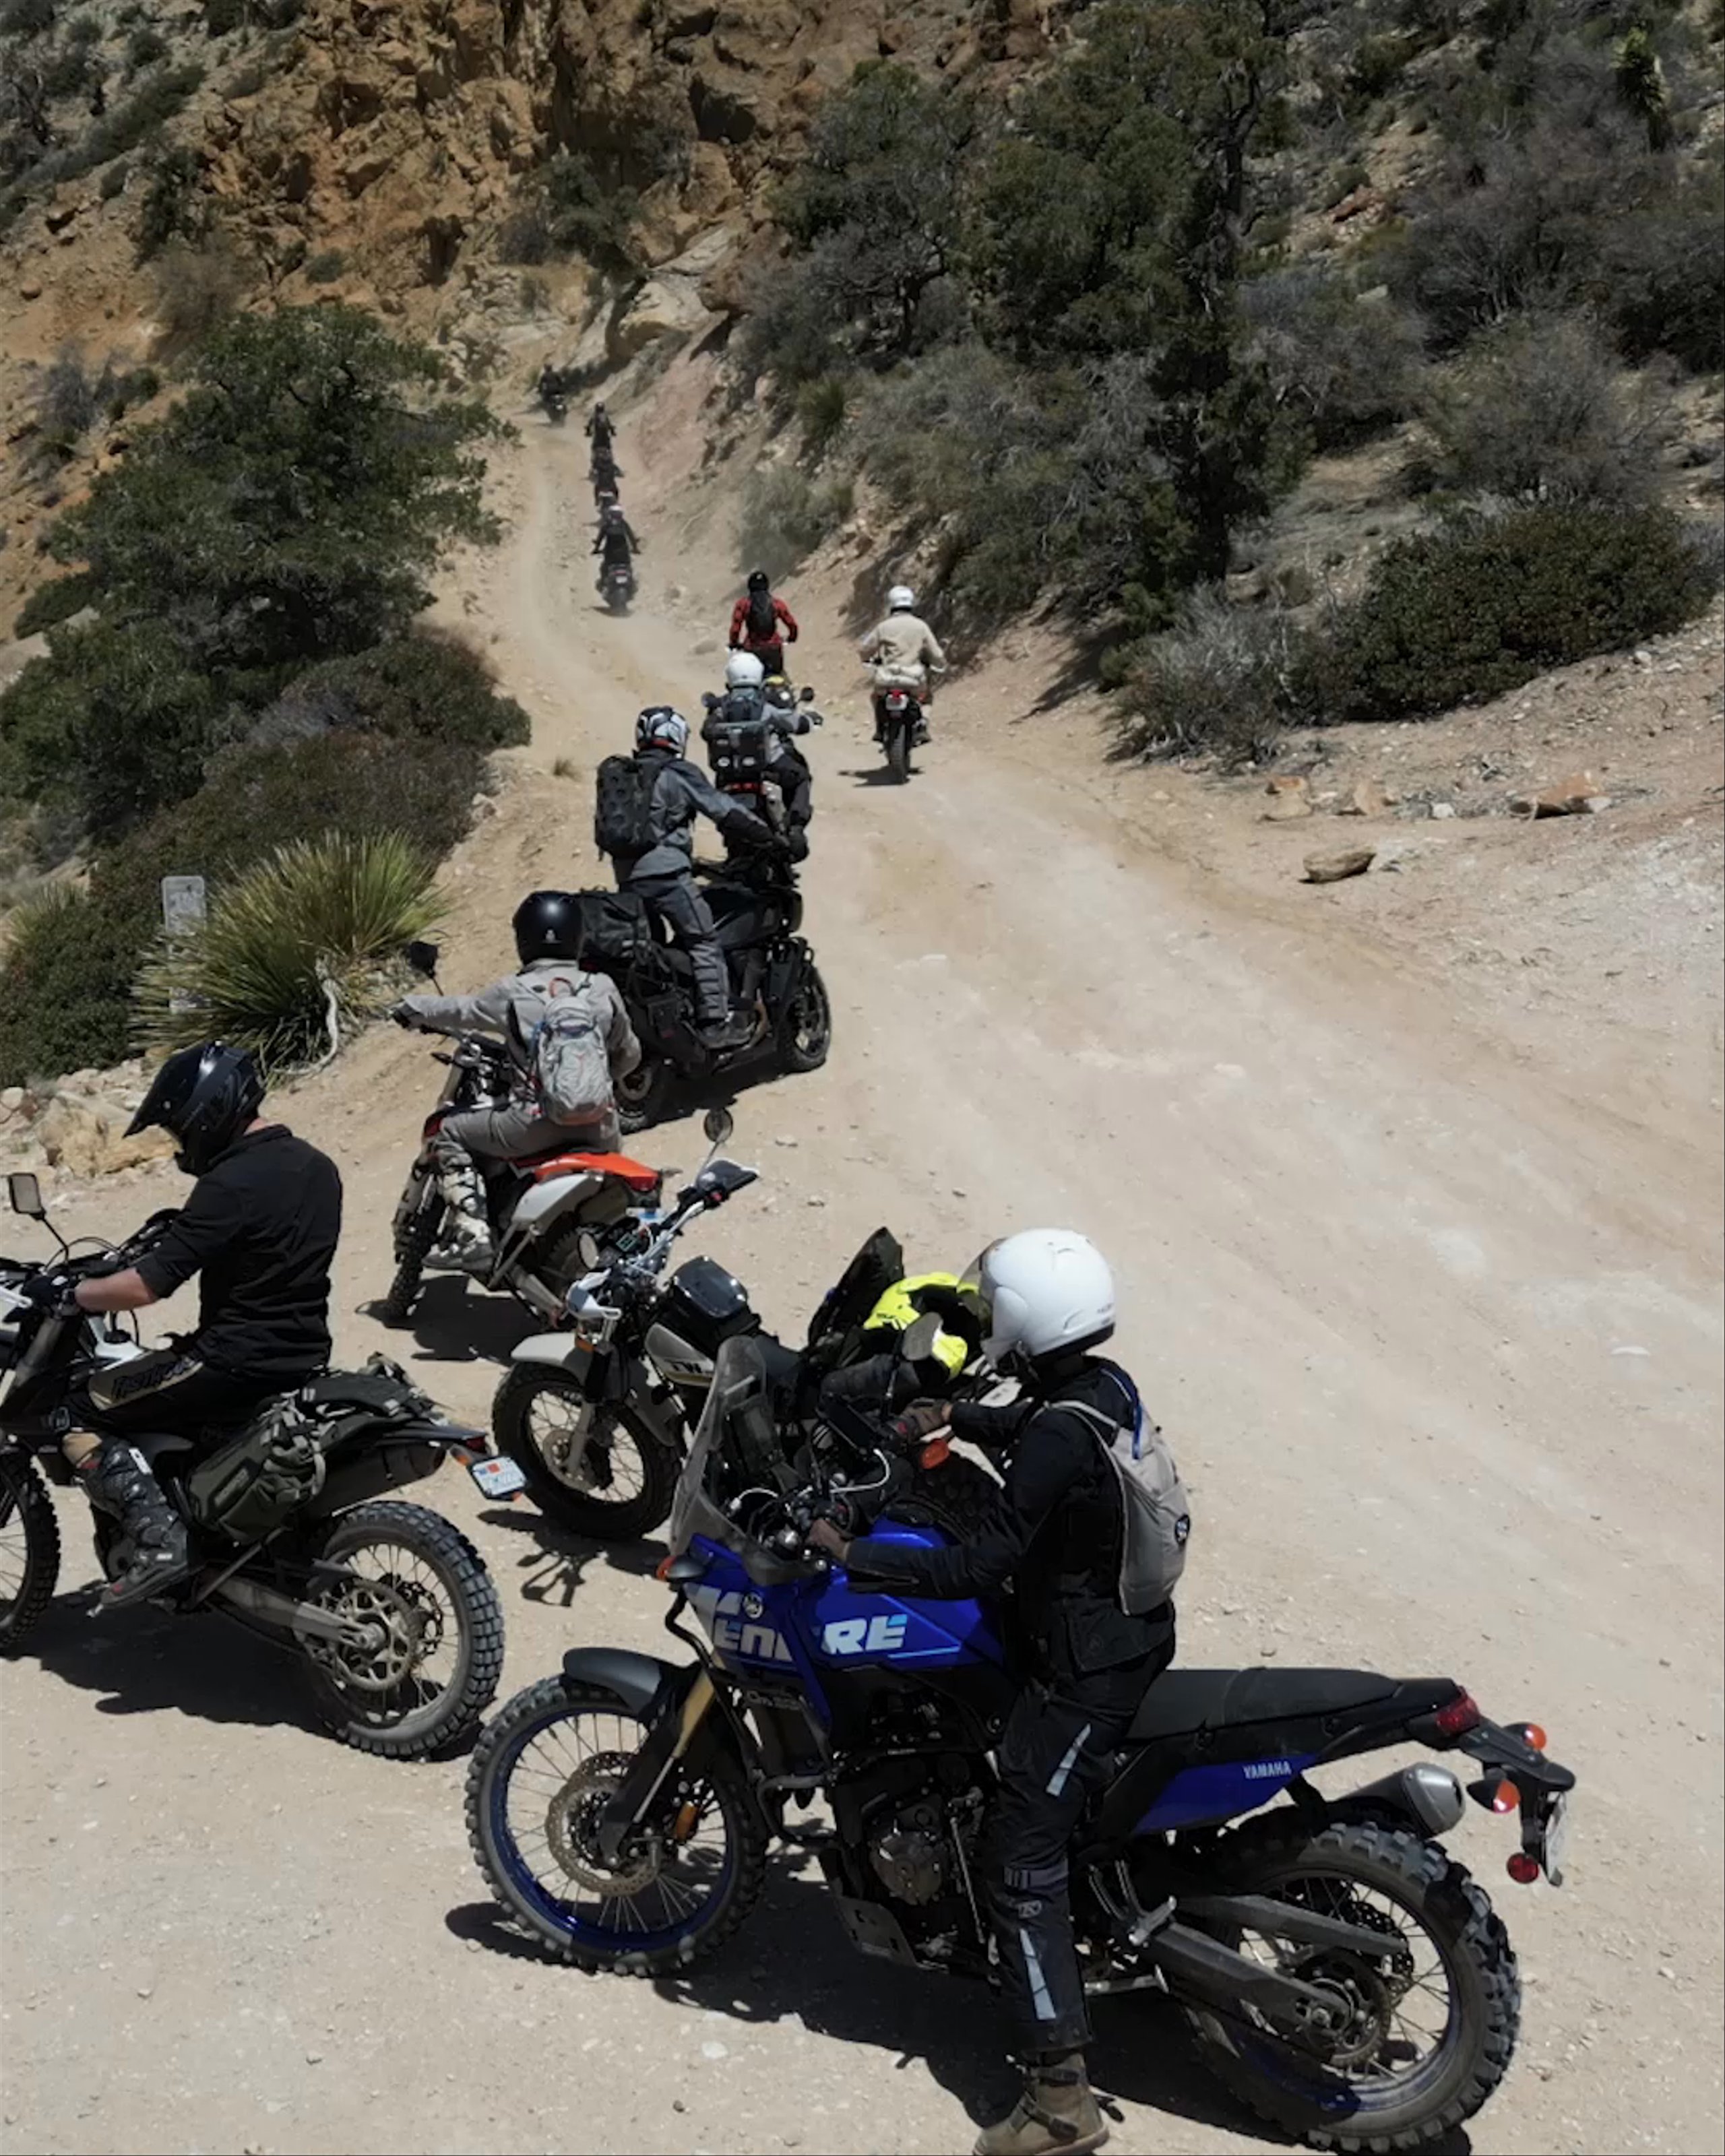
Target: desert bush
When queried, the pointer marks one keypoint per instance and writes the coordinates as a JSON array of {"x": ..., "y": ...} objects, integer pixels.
[
  {"x": 821, "y": 408},
  {"x": 1465, "y": 612},
  {"x": 174, "y": 205},
  {"x": 1662, "y": 272},
  {"x": 25, "y": 18},
  {"x": 1346, "y": 366},
  {"x": 786, "y": 514},
  {"x": 144, "y": 47},
  {"x": 50, "y": 604},
  {"x": 325, "y": 266},
  {"x": 66, "y": 404},
  {"x": 199, "y": 287},
  {"x": 64, "y": 989},
  {"x": 566, "y": 208},
  {"x": 114, "y": 179},
  {"x": 1216, "y": 683},
  {"x": 140, "y": 119},
  {"x": 72, "y": 71},
  {"x": 1536, "y": 411},
  {"x": 317, "y": 924},
  {"x": 430, "y": 685}
]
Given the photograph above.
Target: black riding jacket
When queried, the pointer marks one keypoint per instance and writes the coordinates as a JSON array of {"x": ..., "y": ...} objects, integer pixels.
[{"x": 1056, "y": 1533}]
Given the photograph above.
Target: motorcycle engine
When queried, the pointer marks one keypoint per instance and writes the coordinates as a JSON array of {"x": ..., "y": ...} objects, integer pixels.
[{"x": 910, "y": 1858}]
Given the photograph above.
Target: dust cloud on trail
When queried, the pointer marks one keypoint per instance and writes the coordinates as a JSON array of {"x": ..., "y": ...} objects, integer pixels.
[{"x": 1380, "y": 1283}]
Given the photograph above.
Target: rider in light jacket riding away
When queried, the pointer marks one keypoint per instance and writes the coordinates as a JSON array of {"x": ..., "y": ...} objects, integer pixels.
[
  {"x": 902, "y": 652},
  {"x": 1059, "y": 1534}
]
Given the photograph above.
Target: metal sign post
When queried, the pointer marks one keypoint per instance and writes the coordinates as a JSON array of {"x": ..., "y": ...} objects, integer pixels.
[{"x": 184, "y": 909}]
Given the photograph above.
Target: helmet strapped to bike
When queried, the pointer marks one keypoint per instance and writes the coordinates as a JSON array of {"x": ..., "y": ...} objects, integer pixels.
[
  {"x": 661, "y": 727},
  {"x": 743, "y": 671},
  {"x": 547, "y": 925},
  {"x": 1046, "y": 1291},
  {"x": 901, "y": 599},
  {"x": 206, "y": 1097}
]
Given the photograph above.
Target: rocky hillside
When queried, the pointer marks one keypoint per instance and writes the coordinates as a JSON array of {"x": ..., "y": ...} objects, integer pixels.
[{"x": 386, "y": 153}]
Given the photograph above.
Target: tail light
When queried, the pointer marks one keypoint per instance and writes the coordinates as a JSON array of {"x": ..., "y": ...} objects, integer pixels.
[
  {"x": 895, "y": 702},
  {"x": 1458, "y": 1716},
  {"x": 1531, "y": 1734},
  {"x": 1523, "y": 1869}
]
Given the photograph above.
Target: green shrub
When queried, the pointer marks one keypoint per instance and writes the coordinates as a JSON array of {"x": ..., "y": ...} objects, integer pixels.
[
  {"x": 1458, "y": 615},
  {"x": 144, "y": 47},
  {"x": 1349, "y": 366},
  {"x": 1379, "y": 64},
  {"x": 174, "y": 207},
  {"x": 1216, "y": 683},
  {"x": 325, "y": 266},
  {"x": 140, "y": 119},
  {"x": 1663, "y": 273},
  {"x": 430, "y": 685},
  {"x": 821, "y": 408},
  {"x": 786, "y": 514},
  {"x": 114, "y": 179},
  {"x": 319, "y": 922},
  {"x": 1536, "y": 411},
  {"x": 25, "y": 18},
  {"x": 65, "y": 981},
  {"x": 198, "y": 287},
  {"x": 50, "y": 604},
  {"x": 568, "y": 208}
]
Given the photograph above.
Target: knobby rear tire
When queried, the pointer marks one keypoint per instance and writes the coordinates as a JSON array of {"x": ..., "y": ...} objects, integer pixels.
[
  {"x": 447, "y": 1722},
  {"x": 24, "y": 1499},
  {"x": 1479, "y": 1964}
]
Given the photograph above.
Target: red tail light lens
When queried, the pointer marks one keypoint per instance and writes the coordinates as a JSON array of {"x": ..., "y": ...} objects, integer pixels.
[
  {"x": 1523, "y": 1869},
  {"x": 1458, "y": 1716}
]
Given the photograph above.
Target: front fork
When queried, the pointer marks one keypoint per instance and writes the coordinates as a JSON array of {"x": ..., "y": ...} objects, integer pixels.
[{"x": 680, "y": 1721}]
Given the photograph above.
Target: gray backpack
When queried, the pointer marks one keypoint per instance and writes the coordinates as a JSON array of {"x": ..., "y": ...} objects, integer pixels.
[
  {"x": 566, "y": 1054},
  {"x": 1159, "y": 1514}
]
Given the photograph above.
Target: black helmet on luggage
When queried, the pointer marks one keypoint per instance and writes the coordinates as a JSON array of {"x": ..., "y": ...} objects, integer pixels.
[
  {"x": 547, "y": 925},
  {"x": 205, "y": 1096}
]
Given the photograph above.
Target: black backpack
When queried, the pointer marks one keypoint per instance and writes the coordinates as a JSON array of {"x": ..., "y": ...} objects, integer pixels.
[
  {"x": 762, "y": 620},
  {"x": 623, "y": 811}
]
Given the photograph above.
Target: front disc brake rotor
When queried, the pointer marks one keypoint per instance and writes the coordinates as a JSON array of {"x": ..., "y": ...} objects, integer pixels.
[
  {"x": 398, "y": 1626},
  {"x": 572, "y": 1823}
]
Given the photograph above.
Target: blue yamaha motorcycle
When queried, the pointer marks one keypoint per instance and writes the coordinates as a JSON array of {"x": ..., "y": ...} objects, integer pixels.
[{"x": 1340, "y": 1972}]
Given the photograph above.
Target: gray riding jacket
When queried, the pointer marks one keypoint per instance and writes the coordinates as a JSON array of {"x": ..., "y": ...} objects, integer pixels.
[
  {"x": 681, "y": 792},
  {"x": 514, "y": 1006}
]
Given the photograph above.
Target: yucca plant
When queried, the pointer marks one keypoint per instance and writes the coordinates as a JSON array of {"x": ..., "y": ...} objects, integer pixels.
[{"x": 292, "y": 952}]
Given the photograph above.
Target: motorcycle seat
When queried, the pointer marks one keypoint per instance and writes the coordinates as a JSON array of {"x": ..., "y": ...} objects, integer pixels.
[
  {"x": 1183, "y": 1702},
  {"x": 634, "y": 1174}
]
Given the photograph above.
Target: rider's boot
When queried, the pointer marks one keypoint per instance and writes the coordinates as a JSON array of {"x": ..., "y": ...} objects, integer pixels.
[
  {"x": 113, "y": 1474},
  {"x": 1057, "y": 2114},
  {"x": 729, "y": 1031},
  {"x": 468, "y": 1229}
]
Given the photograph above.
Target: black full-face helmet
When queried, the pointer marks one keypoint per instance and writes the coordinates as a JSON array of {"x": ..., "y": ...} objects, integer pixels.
[
  {"x": 206, "y": 1096},
  {"x": 759, "y": 581},
  {"x": 547, "y": 925}
]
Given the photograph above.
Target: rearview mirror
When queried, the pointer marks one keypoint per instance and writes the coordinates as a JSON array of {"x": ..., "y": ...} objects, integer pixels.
[
  {"x": 718, "y": 1123},
  {"x": 807, "y": 696},
  {"x": 423, "y": 958},
  {"x": 25, "y": 1193}
]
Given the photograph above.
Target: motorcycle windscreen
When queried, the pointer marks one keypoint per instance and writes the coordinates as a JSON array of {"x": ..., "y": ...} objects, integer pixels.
[{"x": 735, "y": 1455}]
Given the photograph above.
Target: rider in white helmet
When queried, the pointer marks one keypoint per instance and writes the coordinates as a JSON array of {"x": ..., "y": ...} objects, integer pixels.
[
  {"x": 1065, "y": 1533},
  {"x": 902, "y": 652},
  {"x": 747, "y": 701}
]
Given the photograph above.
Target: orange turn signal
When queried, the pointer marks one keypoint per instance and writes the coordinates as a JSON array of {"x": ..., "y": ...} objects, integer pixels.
[
  {"x": 1531, "y": 1734},
  {"x": 1506, "y": 1797},
  {"x": 662, "y": 1569},
  {"x": 936, "y": 1453}
]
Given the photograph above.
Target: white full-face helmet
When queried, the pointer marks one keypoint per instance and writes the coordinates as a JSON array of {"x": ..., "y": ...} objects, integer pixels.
[
  {"x": 743, "y": 671},
  {"x": 1045, "y": 1292},
  {"x": 901, "y": 599}
]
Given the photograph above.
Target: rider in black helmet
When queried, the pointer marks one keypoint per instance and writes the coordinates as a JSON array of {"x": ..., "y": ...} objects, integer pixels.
[
  {"x": 260, "y": 1228},
  {"x": 547, "y": 940}
]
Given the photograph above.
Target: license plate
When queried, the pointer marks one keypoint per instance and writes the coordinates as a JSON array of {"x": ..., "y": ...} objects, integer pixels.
[
  {"x": 497, "y": 1478},
  {"x": 1554, "y": 1840}
]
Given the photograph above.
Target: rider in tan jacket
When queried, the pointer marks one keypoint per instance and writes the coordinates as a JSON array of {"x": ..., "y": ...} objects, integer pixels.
[{"x": 902, "y": 653}]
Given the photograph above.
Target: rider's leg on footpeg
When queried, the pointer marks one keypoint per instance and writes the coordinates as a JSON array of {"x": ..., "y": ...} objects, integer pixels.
[{"x": 116, "y": 1480}]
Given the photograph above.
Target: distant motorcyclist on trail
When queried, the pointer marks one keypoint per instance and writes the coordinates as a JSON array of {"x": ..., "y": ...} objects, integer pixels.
[
  {"x": 749, "y": 700},
  {"x": 599, "y": 431},
  {"x": 643, "y": 819},
  {"x": 615, "y": 542},
  {"x": 259, "y": 1232},
  {"x": 1068, "y": 1533},
  {"x": 570, "y": 1041},
  {"x": 762, "y": 624},
  {"x": 902, "y": 652},
  {"x": 550, "y": 383}
]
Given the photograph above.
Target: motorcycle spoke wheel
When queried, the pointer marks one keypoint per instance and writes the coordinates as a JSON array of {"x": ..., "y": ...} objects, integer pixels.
[
  {"x": 590, "y": 1469},
  {"x": 29, "y": 1549},
  {"x": 805, "y": 1032},
  {"x": 1423, "y": 2034},
  {"x": 536, "y": 1791},
  {"x": 431, "y": 1651}
]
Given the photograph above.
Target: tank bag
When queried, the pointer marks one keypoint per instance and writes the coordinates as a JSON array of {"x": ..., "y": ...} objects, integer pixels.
[
  {"x": 623, "y": 810},
  {"x": 1159, "y": 1514},
  {"x": 566, "y": 1054}
]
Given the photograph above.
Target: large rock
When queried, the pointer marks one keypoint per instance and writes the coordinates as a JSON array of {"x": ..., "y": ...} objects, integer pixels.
[
  {"x": 1338, "y": 867},
  {"x": 88, "y": 1137},
  {"x": 664, "y": 307},
  {"x": 1289, "y": 799},
  {"x": 1579, "y": 795}
]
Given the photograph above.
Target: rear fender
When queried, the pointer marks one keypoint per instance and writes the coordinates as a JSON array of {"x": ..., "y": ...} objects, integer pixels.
[{"x": 541, "y": 1205}]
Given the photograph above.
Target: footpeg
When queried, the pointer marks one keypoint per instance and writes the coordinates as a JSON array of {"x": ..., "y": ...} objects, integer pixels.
[{"x": 1145, "y": 1927}]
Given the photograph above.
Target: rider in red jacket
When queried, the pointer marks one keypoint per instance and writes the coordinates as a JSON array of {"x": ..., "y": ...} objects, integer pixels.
[{"x": 762, "y": 624}]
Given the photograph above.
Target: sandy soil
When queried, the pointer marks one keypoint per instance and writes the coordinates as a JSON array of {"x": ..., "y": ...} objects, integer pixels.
[{"x": 1432, "y": 1319}]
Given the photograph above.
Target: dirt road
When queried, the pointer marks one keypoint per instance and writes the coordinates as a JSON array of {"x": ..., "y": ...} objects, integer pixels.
[{"x": 1435, "y": 1334}]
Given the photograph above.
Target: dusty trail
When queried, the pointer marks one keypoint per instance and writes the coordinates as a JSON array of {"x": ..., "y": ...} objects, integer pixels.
[{"x": 1381, "y": 1282}]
